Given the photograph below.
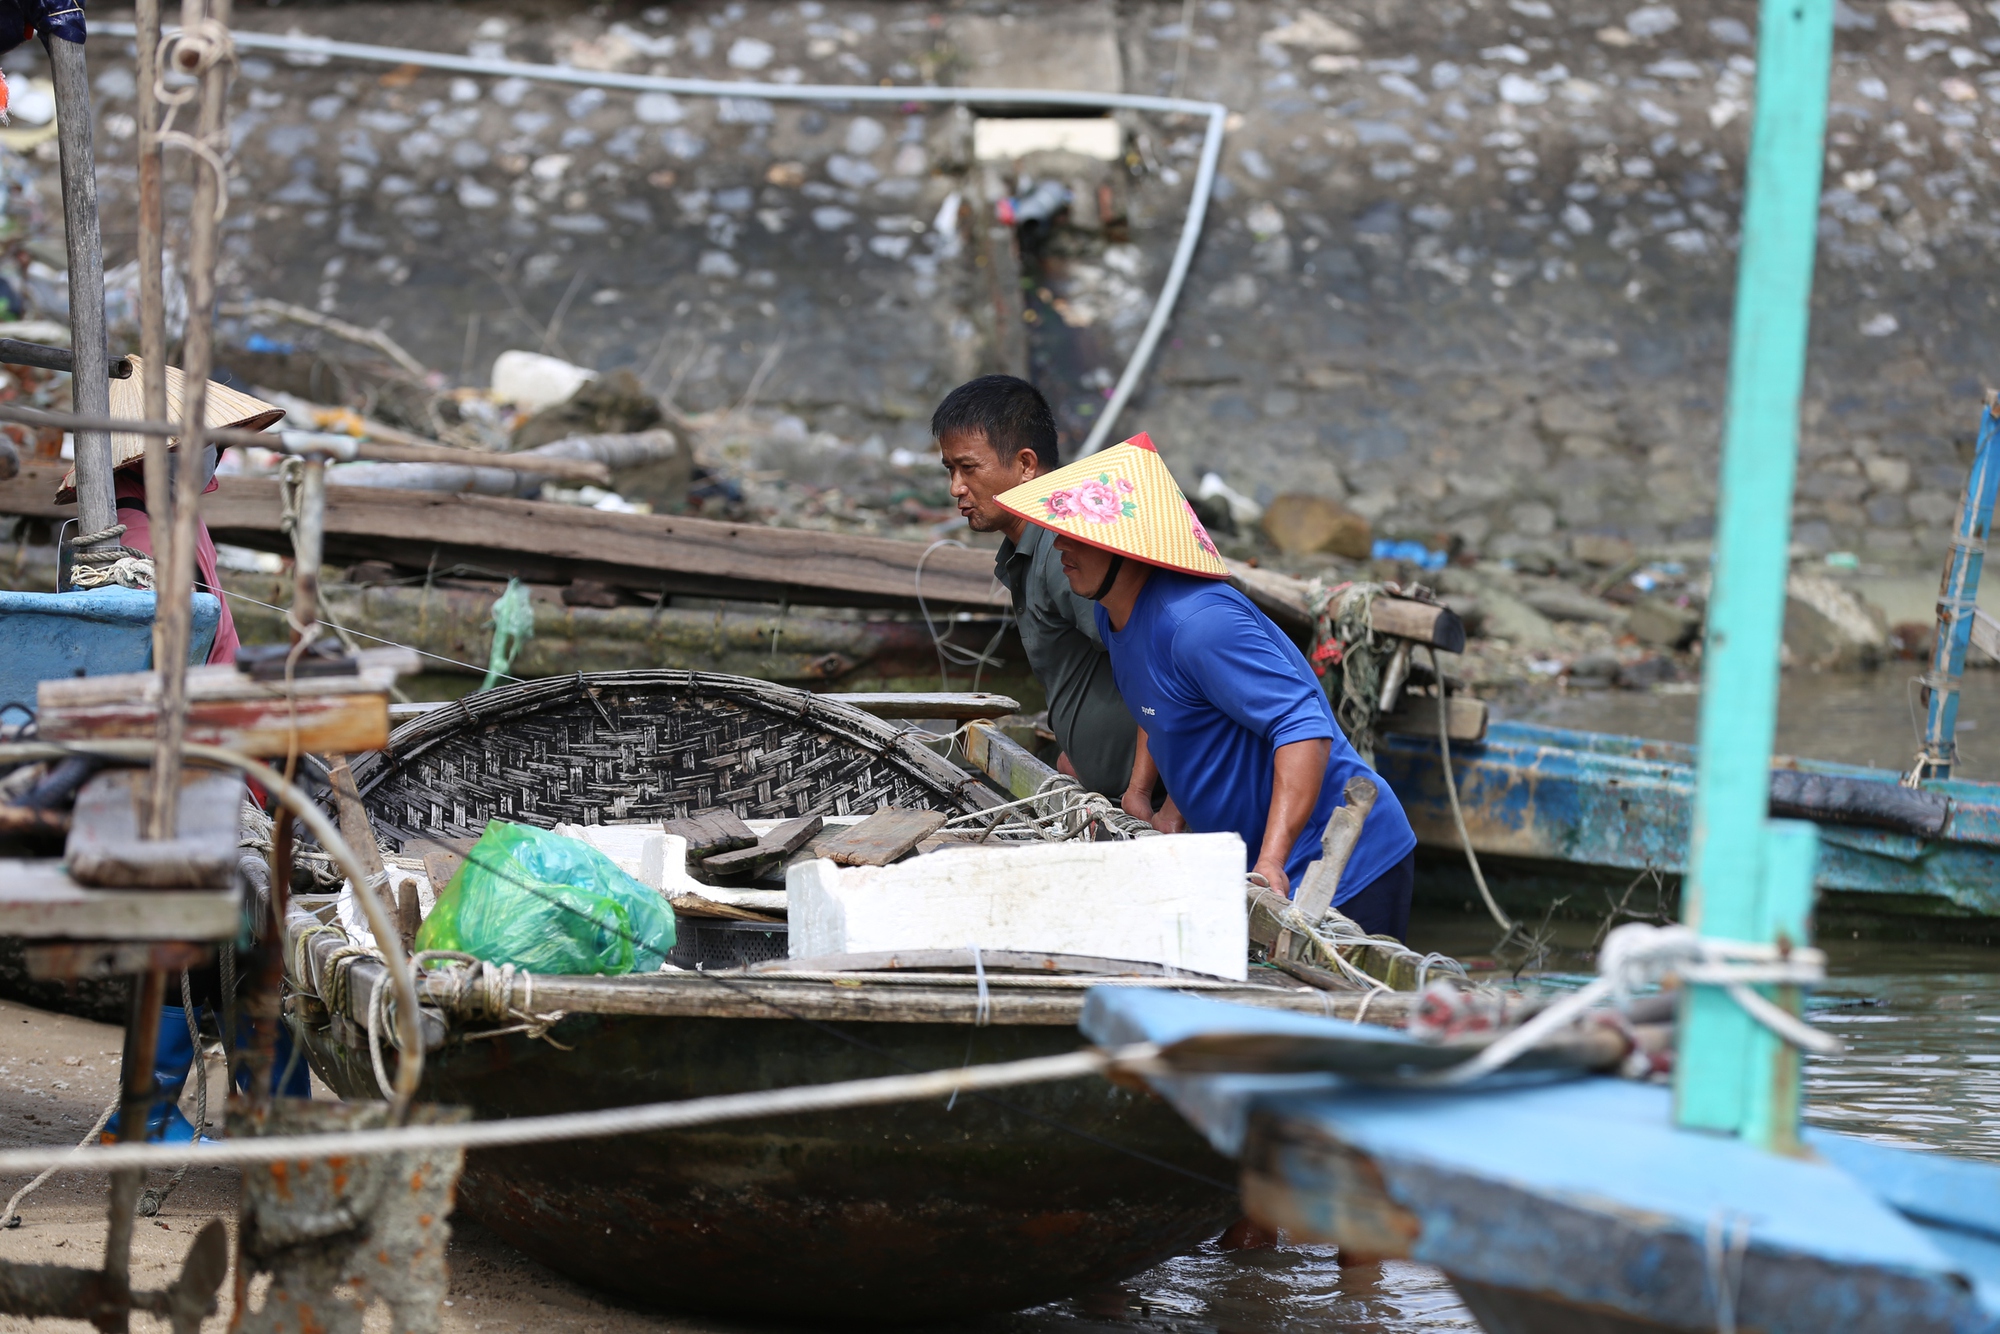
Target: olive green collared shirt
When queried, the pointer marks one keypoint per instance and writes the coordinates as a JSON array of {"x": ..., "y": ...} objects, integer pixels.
[{"x": 1059, "y": 631}]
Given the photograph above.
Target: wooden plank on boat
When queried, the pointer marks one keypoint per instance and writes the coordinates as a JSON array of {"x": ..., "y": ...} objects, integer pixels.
[
  {"x": 881, "y": 838},
  {"x": 325, "y": 724},
  {"x": 696, "y": 905},
  {"x": 1005, "y": 761},
  {"x": 226, "y": 707},
  {"x": 711, "y": 832},
  {"x": 955, "y": 706},
  {"x": 550, "y": 543},
  {"x": 781, "y": 842},
  {"x": 107, "y": 848},
  {"x": 856, "y": 1000},
  {"x": 375, "y": 671},
  {"x": 1416, "y": 715},
  {"x": 39, "y": 901}
]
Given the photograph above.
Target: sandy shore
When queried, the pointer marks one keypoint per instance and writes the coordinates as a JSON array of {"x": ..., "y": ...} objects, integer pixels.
[{"x": 57, "y": 1074}]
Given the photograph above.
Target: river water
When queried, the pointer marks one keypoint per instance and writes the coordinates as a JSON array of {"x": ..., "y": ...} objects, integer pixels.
[{"x": 1921, "y": 1022}]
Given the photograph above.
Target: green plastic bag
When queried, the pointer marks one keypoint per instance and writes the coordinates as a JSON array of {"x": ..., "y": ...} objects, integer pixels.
[{"x": 548, "y": 904}]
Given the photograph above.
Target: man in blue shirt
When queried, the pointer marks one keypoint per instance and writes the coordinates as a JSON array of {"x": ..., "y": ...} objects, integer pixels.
[{"x": 1230, "y": 715}]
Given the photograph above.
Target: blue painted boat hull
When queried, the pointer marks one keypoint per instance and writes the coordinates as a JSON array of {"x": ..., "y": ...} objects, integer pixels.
[
  {"x": 1578, "y": 1205},
  {"x": 101, "y": 632},
  {"x": 1562, "y": 803}
]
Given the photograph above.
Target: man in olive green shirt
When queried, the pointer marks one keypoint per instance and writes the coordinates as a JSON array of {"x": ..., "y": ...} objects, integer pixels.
[{"x": 995, "y": 433}]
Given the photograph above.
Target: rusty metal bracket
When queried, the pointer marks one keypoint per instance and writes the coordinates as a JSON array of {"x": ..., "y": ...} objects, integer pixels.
[{"x": 338, "y": 1234}]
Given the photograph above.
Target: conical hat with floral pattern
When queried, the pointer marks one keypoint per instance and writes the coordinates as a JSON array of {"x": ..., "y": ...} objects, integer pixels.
[{"x": 1123, "y": 500}]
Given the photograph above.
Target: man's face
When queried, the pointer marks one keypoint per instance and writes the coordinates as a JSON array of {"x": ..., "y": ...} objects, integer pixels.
[
  {"x": 1085, "y": 566},
  {"x": 978, "y": 474}
]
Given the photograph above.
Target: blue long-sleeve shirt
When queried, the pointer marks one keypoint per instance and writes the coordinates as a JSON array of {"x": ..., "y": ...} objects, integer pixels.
[{"x": 1218, "y": 689}]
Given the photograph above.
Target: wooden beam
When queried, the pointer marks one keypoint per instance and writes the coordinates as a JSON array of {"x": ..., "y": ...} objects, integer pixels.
[
  {"x": 555, "y": 544},
  {"x": 338, "y": 724},
  {"x": 1001, "y": 759},
  {"x": 413, "y": 450},
  {"x": 956, "y": 707},
  {"x": 1420, "y": 622},
  {"x": 551, "y": 543},
  {"x": 38, "y": 901},
  {"x": 1416, "y": 715}
]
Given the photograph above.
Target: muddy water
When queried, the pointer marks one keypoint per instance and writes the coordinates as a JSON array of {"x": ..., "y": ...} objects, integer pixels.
[{"x": 1921, "y": 1023}]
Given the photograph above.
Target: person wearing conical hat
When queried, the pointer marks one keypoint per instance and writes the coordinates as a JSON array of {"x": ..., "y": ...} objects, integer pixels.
[
  {"x": 1230, "y": 715},
  {"x": 226, "y": 408}
]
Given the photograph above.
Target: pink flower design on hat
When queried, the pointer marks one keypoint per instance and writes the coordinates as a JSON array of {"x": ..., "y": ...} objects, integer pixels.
[
  {"x": 1099, "y": 502},
  {"x": 1200, "y": 533},
  {"x": 1063, "y": 505}
]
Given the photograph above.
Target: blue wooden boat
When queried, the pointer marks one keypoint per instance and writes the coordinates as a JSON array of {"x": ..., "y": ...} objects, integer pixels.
[
  {"x": 1550, "y": 806},
  {"x": 1566, "y": 1206},
  {"x": 96, "y": 632}
]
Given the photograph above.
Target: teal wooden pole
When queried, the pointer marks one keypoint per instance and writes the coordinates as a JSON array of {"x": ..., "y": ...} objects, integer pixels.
[{"x": 1725, "y": 1075}]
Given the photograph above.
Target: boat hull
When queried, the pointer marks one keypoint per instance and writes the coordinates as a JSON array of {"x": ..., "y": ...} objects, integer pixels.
[
  {"x": 1553, "y": 806},
  {"x": 877, "y": 1215}
]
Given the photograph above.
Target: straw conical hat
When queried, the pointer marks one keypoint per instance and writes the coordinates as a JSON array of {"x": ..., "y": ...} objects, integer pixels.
[
  {"x": 1123, "y": 500},
  {"x": 226, "y": 408}
]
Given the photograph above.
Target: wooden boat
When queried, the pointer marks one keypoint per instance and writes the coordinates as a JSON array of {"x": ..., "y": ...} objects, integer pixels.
[
  {"x": 878, "y": 1215},
  {"x": 100, "y": 631},
  {"x": 1550, "y": 807}
]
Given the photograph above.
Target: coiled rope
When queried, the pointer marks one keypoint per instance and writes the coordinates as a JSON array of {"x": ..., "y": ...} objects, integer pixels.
[
  {"x": 1639, "y": 954},
  {"x": 95, "y": 566}
]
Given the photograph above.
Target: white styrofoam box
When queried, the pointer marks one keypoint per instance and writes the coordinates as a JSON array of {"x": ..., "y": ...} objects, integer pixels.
[
  {"x": 1176, "y": 901},
  {"x": 655, "y": 859}
]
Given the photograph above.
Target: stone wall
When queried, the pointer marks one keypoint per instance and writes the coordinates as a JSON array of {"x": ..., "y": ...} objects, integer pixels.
[{"x": 1469, "y": 266}]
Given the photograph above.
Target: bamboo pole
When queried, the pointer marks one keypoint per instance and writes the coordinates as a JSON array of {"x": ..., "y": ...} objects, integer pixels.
[
  {"x": 90, "y": 382},
  {"x": 201, "y": 50},
  {"x": 152, "y": 293}
]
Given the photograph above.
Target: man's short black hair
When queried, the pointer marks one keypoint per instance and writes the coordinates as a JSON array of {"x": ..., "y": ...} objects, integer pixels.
[{"x": 1012, "y": 413}]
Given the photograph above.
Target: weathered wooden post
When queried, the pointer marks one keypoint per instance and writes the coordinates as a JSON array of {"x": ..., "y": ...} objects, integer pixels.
[
  {"x": 90, "y": 381},
  {"x": 1750, "y": 878}
]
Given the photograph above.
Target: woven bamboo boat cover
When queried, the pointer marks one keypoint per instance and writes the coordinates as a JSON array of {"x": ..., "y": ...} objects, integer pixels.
[{"x": 615, "y": 747}]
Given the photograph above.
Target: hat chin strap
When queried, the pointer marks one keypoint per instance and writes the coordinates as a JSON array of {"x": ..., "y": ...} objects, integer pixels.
[{"x": 1110, "y": 578}]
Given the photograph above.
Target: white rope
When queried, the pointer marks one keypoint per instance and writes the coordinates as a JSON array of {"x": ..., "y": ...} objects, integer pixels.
[
  {"x": 1727, "y": 1239},
  {"x": 10, "y": 1217},
  {"x": 1009, "y": 982},
  {"x": 1505, "y": 923},
  {"x": 1138, "y": 1058},
  {"x": 1639, "y": 954},
  {"x": 983, "y": 1015}
]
